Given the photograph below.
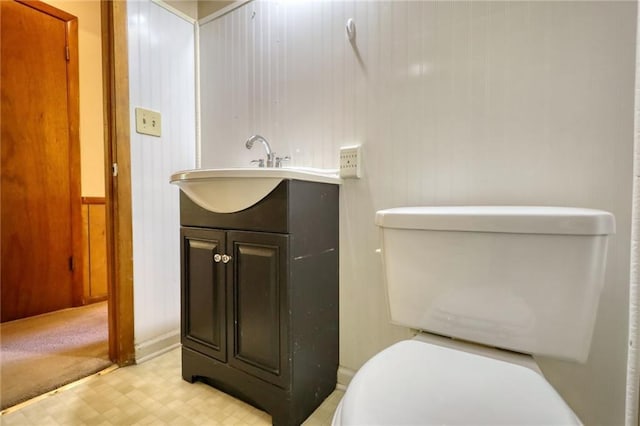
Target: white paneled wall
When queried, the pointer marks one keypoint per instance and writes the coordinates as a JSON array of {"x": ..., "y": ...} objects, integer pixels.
[
  {"x": 161, "y": 73},
  {"x": 453, "y": 103},
  {"x": 633, "y": 363}
]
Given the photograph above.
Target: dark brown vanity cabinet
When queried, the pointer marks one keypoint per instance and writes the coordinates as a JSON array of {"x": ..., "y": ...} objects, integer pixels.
[
  {"x": 260, "y": 299},
  {"x": 203, "y": 299},
  {"x": 238, "y": 296}
]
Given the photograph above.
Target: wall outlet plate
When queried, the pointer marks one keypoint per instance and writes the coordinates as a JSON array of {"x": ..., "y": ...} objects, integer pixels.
[
  {"x": 350, "y": 162},
  {"x": 148, "y": 122}
]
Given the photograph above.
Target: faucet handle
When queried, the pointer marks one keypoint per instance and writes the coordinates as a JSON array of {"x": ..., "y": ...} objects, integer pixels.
[
  {"x": 260, "y": 162},
  {"x": 279, "y": 160}
]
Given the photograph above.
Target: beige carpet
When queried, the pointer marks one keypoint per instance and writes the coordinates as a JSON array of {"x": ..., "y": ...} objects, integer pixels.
[{"x": 41, "y": 353}]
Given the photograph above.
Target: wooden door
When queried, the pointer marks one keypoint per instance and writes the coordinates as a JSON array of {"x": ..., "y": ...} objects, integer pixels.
[
  {"x": 257, "y": 304},
  {"x": 203, "y": 326},
  {"x": 40, "y": 183}
]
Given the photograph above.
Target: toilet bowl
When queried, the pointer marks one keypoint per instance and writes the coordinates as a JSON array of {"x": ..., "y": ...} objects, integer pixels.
[
  {"x": 426, "y": 382},
  {"x": 490, "y": 287}
]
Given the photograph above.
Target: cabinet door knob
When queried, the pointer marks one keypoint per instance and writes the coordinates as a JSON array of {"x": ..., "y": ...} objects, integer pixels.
[
  {"x": 217, "y": 258},
  {"x": 225, "y": 258}
]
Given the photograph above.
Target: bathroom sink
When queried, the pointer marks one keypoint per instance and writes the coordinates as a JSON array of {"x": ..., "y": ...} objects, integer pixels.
[{"x": 234, "y": 189}]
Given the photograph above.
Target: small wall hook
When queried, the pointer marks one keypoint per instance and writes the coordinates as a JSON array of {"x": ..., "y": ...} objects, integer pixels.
[{"x": 351, "y": 29}]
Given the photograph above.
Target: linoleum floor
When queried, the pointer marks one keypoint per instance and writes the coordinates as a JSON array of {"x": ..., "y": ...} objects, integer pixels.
[{"x": 152, "y": 393}]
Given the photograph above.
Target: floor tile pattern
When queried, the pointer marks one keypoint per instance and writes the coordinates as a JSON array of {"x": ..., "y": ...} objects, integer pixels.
[{"x": 152, "y": 393}]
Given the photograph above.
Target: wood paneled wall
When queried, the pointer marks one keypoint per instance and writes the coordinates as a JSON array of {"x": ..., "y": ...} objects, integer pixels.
[{"x": 94, "y": 244}]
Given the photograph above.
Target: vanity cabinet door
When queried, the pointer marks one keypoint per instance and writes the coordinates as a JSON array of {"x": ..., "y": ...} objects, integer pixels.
[
  {"x": 257, "y": 298},
  {"x": 203, "y": 325}
]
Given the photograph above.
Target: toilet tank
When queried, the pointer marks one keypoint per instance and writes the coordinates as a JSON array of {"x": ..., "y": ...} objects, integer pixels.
[{"x": 526, "y": 279}]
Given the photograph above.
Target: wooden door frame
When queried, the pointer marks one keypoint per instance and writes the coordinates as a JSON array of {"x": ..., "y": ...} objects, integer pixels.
[
  {"x": 73, "y": 108},
  {"x": 118, "y": 181}
]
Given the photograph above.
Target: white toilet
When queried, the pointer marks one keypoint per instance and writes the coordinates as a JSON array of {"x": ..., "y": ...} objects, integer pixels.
[{"x": 487, "y": 287}]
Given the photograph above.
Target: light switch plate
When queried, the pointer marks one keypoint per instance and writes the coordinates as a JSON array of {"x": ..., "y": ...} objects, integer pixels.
[
  {"x": 350, "y": 162},
  {"x": 148, "y": 122}
]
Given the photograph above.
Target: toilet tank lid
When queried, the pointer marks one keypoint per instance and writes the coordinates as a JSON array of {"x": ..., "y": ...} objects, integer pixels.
[{"x": 504, "y": 219}]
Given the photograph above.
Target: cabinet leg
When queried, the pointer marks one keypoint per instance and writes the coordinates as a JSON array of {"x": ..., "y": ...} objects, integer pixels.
[
  {"x": 187, "y": 371},
  {"x": 283, "y": 417},
  {"x": 278, "y": 420}
]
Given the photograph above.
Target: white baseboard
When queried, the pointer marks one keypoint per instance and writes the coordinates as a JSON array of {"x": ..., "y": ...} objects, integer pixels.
[
  {"x": 344, "y": 377},
  {"x": 157, "y": 346}
]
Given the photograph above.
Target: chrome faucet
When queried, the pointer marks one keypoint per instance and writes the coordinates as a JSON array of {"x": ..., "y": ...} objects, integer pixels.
[
  {"x": 270, "y": 154},
  {"x": 272, "y": 160}
]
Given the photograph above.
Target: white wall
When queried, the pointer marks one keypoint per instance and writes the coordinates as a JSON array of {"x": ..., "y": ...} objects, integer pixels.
[
  {"x": 633, "y": 359},
  {"x": 161, "y": 73},
  {"x": 453, "y": 103},
  {"x": 188, "y": 7},
  {"x": 91, "y": 102}
]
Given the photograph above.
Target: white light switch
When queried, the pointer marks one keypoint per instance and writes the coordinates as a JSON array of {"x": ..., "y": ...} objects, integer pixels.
[{"x": 148, "y": 122}]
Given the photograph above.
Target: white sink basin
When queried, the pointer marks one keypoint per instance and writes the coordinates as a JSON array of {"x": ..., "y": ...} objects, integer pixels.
[{"x": 232, "y": 190}]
